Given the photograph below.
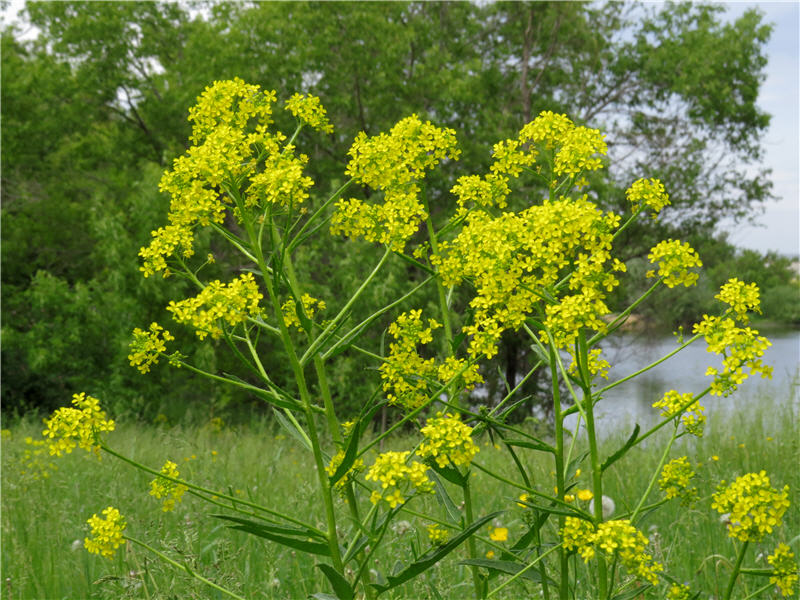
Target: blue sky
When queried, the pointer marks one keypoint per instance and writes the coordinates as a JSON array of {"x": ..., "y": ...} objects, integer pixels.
[{"x": 780, "y": 223}]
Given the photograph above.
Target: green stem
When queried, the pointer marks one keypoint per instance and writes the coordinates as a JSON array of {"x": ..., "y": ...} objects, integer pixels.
[
  {"x": 559, "y": 467},
  {"x": 325, "y": 335},
  {"x": 471, "y": 551},
  {"x": 735, "y": 573},
  {"x": 184, "y": 567},
  {"x": 655, "y": 475},
  {"x": 305, "y": 397},
  {"x": 216, "y": 493}
]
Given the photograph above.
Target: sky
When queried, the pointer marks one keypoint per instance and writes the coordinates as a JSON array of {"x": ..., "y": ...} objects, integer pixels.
[{"x": 778, "y": 228}]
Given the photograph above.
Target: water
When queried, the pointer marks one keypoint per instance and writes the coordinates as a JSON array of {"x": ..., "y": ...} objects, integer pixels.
[{"x": 631, "y": 402}]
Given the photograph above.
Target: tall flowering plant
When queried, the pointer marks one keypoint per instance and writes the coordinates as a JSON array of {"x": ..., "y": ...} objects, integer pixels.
[{"x": 546, "y": 270}]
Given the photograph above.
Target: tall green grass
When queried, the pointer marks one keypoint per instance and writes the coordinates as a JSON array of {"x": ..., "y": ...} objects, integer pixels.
[{"x": 43, "y": 518}]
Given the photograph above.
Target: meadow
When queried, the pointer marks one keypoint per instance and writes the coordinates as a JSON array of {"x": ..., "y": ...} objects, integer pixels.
[{"x": 46, "y": 501}]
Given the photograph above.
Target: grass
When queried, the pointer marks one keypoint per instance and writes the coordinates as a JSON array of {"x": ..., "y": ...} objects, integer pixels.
[{"x": 43, "y": 518}]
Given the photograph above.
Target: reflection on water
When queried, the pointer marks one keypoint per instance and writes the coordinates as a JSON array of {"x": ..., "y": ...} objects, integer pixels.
[{"x": 630, "y": 402}]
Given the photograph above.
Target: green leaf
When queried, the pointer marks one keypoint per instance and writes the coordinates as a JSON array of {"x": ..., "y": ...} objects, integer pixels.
[
  {"x": 433, "y": 556},
  {"x": 451, "y": 473},
  {"x": 533, "y": 445},
  {"x": 573, "y": 465},
  {"x": 323, "y": 596},
  {"x": 444, "y": 498},
  {"x": 279, "y": 534},
  {"x": 504, "y": 566},
  {"x": 343, "y": 589},
  {"x": 283, "y": 421},
  {"x": 621, "y": 452}
]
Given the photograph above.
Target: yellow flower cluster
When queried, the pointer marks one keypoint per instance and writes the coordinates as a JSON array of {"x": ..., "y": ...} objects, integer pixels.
[
  {"x": 613, "y": 538},
  {"x": 336, "y": 460},
  {"x": 447, "y": 439},
  {"x": 281, "y": 181},
  {"x": 405, "y": 371},
  {"x": 80, "y": 425},
  {"x": 512, "y": 257},
  {"x": 310, "y": 307},
  {"x": 784, "y": 569},
  {"x": 753, "y": 506},
  {"x": 741, "y": 297},
  {"x": 647, "y": 192},
  {"x": 161, "y": 487},
  {"x": 106, "y": 533},
  {"x": 396, "y": 477},
  {"x": 577, "y": 147},
  {"x": 393, "y": 163},
  {"x": 146, "y": 346},
  {"x": 309, "y": 110},
  {"x": 233, "y": 303},
  {"x": 675, "y": 478},
  {"x": 596, "y": 365},
  {"x": 231, "y": 143},
  {"x": 35, "y": 461},
  {"x": 437, "y": 535},
  {"x": 673, "y": 403},
  {"x": 740, "y": 348},
  {"x": 678, "y": 591},
  {"x": 674, "y": 259},
  {"x": 452, "y": 366}
]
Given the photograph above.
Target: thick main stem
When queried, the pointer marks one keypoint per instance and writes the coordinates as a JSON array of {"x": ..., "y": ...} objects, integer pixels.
[
  {"x": 736, "y": 568},
  {"x": 559, "y": 464}
]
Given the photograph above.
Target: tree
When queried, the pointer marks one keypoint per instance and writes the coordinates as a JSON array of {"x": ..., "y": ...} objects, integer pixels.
[{"x": 98, "y": 102}]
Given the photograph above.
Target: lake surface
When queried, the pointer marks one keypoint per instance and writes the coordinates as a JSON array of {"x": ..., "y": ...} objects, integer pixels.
[{"x": 630, "y": 402}]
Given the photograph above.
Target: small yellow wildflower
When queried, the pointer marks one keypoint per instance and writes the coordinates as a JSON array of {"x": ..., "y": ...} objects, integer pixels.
[
  {"x": 146, "y": 346},
  {"x": 498, "y": 534},
  {"x": 310, "y": 307},
  {"x": 336, "y": 460},
  {"x": 80, "y": 425},
  {"x": 678, "y": 591},
  {"x": 784, "y": 569},
  {"x": 741, "y": 297},
  {"x": 106, "y": 533},
  {"x": 161, "y": 487},
  {"x": 585, "y": 495},
  {"x": 674, "y": 261},
  {"x": 232, "y": 303},
  {"x": 309, "y": 110},
  {"x": 523, "y": 498},
  {"x": 437, "y": 535},
  {"x": 392, "y": 472},
  {"x": 675, "y": 478},
  {"x": 490, "y": 554},
  {"x": 753, "y": 505},
  {"x": 448, "y": 440},
  {"x": 649, "y": 192}
]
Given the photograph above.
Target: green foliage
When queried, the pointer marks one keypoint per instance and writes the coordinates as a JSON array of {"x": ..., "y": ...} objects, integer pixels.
[{"x": 96, "y": 107}]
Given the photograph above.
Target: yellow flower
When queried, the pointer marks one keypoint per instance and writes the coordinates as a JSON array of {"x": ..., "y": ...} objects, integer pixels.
[
  {"x": 490, "y": 554},
  {"x": 79, "y": 426},
  {"x": 674, "y": 261},
  {"x": 523, "y": 498},
  {"x": 106, "y": 533},
  {"x": 585, "y": 495},
  {"x": 161, "y": 487},
  {"x": 146, "y": 346},
  {"x": 784, "y": 569},
  {"x": 753, "y": 505},
  {"x": 499, "y": 534},
  {"x": 675, "y": 478},
  {"x": 392, "y": 472},
  {"x": 309, "y": 110},
  {"x": 448, "y": 440},
  {"x": 649, "y": 192},
  {"x": 437, "y": 535},
  {"x": 678, "y": 591}
]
